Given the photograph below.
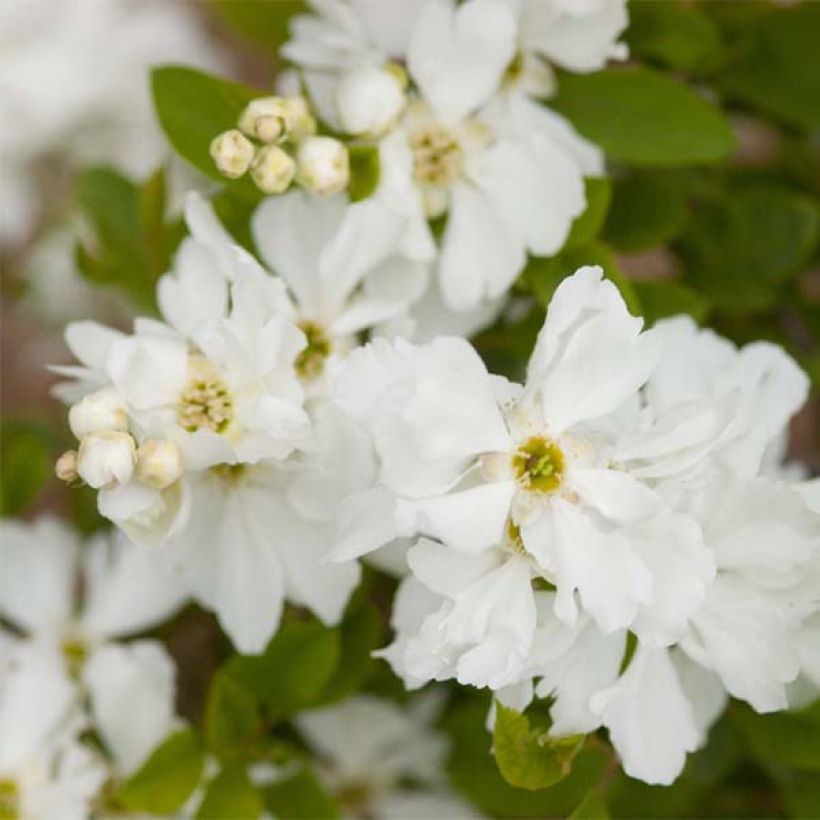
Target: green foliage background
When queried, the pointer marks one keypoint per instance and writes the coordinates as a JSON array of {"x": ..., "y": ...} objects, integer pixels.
[{"x": 713, "y": 135}]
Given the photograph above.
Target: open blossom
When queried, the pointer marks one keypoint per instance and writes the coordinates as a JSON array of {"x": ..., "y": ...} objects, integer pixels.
[
  {"x": 71, "y": 668},
  {"x": 508, "y": 172}
]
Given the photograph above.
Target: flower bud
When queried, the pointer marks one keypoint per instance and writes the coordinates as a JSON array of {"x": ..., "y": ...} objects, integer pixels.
[
  {"x": 302, "y": 123},
  {"x": 273, "y": 169},
  {"x": 232, "y": 152},
  {"x": 159, "y": 463},
  {"x": 66, "y": 467},
  {"x": 324, "y": 165},
  {"x": 369, "y": 100},
  {"x": 96, "y": 412},
  {"x": 267, "y": 118},
  {"x": 106, "y": 459}
]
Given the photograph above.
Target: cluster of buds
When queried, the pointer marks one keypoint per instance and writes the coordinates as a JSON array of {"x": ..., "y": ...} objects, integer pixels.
[
  {"x": 275, "y": 141},
  {"x": 108, "y": 455}
]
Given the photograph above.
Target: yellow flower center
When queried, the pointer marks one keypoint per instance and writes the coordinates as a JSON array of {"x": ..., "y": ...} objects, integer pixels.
[
  {"x": 311, "y": 361},
  {"x": 75, "y": 653},
  {"x": 205, "y": 403},
  {"x": 436, "y": 156},
  {"x": 9, "y": 800},
  {"x": 538, "y": 465}
]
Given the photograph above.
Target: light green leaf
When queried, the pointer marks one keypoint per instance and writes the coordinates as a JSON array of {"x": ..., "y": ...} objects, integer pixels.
[
  {"x": 300, "y": 796},
  {"x": 260, "y": 22},
  {"x": 679, "y": 36},
  {"x": 778, "y": 71},
  {"x": 194, "y": 107},
  {"x": 294, "y": 669},
  {"x": 741, "y": 249},
  {"x": 232, "y": 796},
  {"x": 646, "y": 210},
  {"x": 365, "y": 171},
  {"x": 587, "y": 226},
  {"x": 26, "y": 464},
  {"x": 231, "y": 716},
  {"x": 168, "y": 777},
  {"x": 529, "y": 758},
  {"x": 642, "y": 117}
]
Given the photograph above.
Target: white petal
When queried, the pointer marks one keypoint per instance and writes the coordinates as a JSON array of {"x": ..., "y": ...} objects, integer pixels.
[
  {"x": 704, "y": 690},
  {"x": 615, "y": 494},
  {"x": 131, "y": 687},
  {"x": 481, "y": 254},
  {"x": 38, "y": 566},
  {"x": 448, "y": 571},
  {"x": 457, "y": 55},
  {"x": 89, "y": 342},
  {"x": 650, "y": 720}
]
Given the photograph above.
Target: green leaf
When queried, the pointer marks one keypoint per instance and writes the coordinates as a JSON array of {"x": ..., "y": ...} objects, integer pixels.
[
  {"x": 592, "y": 808},
  {"x": 642, "y": 117},
  {"x": 26, "y": 464},
  {"x": 789, "y": 739},
  {"x": 300, "y": 796},
  {"x": 231, "y": 795},
  {"x": 679, "y": 36},
  {"x": 263, "y": 23},
  {"x": 294, "y": 669},
  {"x": 668, "y": 298},
  {"x": 365, "y": 170},
  {"x": 646, "y": 210},
  {"x": 194, "y": 107},
  {"x": 529, "y": 758},
  {"x": 741, "y": 249},
  {"x": 232, "y": 720},
  {"x": 587, "y": 226},
  {"x": 778, "y": 71},
  {"x": 360, "y": 633},
  {"x": 168, "y": 777}
]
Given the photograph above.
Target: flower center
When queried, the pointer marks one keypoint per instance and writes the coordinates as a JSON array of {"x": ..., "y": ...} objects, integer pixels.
[
  {"x": 311, "y": 361},
  {"x": 538, "y": 464},
  {"x": 75, "y": 653},
  {"x": 436, "y": 156},
  {"x": 9, "y": 799},
  {"x": 206, "y": 402}
]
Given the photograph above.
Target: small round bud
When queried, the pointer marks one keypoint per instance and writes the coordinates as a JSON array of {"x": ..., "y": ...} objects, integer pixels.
[
  {"x": 301, "y": 122},
  {"x": 266, "y": 119},
  {"x": 66, "y": 467},
  {"x": 273, "y": 169},
  {"x": 369, "y": 100},
  {"x": 103, "y": 410},
  {"x": 232, "y": 152},
  {"x": 106, "y": 459},
  {"x": 323, "y": 165},
  {"x": 159, "y": 463}
]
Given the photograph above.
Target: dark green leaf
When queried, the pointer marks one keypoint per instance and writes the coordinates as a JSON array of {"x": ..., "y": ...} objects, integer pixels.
[
  {"x": 232, "y": 721},
  {"x": 26, "y": 464},
  {"x": 365, "y": 170},
  {"x": 300, "y": 796},
  {"x": 741, "y": 249},
  {"x": 592, "y": 808},
  {"x": 231, "y": 795},
  {"x": 668, "y": 298},
  {"x": 168, "y": 777},
  {"x": 646, "y": 210},
  {"x": 194, "y": 107},
  {"x": 587, "y": 226},
  {"x": 529, "y": 758},
  {"x": 294, "y": 669},
  {"x": 676, "y": 35},
  {"x": 640, "y": 116},
  {"x": 778, "y": 71},
  {"x": 261, "y": 22},
  {"x": 785, "y": 738}
]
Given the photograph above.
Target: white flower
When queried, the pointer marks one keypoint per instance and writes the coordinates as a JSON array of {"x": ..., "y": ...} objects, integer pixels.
[
  {"x": 69, "y": 650},
  {"x": 483, "y": 465},
  {"x": 323, "y": 165},
  {"x": 106, "y": 460},
  {"x": 98, "y": 412},
  {"x": 369, "y": 750}
]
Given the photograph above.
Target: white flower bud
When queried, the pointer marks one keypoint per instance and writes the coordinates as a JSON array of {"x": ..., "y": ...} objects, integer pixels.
[
  {"x": 324, "y": 165},
  {"x": 106, "y": 459},
  {"x": 267, "y": 118},
  {"x": 273, "y": 169},
  {"x": 96, "y": 412},
  {"x": 369, "y": 100},
  {"x": 302, "y": 123},
  {"x": 159, "y": 463},
  {"x": 232, "y": 152},
  {"x": 66, "y": 467}
]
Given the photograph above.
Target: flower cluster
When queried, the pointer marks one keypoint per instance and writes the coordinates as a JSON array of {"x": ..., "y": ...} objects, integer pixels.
[{"x": 69, "y": 685}]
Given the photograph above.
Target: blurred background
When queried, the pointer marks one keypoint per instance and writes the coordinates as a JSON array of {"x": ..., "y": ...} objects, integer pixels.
[{"x": 735, "y": 243}]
